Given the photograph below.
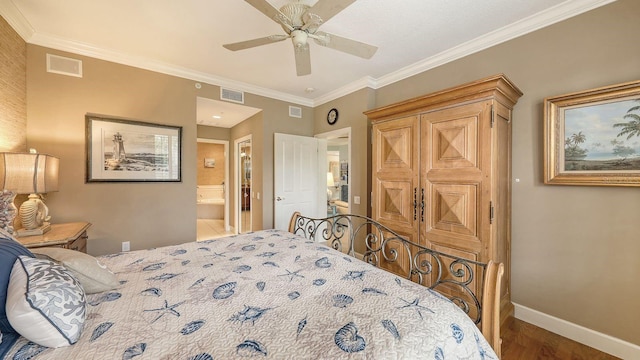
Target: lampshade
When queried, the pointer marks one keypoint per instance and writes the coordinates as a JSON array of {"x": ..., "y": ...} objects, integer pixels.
[
  {"x": 330, "y": 181},
  {"x": 27, "y": 173}
]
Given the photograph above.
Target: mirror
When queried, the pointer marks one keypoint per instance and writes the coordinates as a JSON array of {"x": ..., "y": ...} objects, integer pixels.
[
  {"x": 338, "y": 159},
  {"x": 244, "y": 186}
]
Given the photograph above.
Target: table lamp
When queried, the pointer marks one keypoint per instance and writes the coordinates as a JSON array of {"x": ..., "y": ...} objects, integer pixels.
[
  {"x": 330, "y": 183},
  {"x": 27, "y": 173}
]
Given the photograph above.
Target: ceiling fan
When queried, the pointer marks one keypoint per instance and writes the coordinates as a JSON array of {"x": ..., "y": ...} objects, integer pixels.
[{"x": 301, "y": 22}]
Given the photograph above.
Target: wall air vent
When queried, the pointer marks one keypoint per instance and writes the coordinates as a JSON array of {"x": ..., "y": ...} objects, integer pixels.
[
  {"x": 295, "y": 111},
  {"x": 64, "y": 65},
  {"x": 232, "y": 95}
]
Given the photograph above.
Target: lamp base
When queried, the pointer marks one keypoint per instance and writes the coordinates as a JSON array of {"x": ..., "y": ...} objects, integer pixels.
[
  {"x": 7, "y": 211},
  {"x": 37, "y": 231}
]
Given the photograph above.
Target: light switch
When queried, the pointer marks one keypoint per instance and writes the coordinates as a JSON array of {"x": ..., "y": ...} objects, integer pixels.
[{"x": 356, "y": 200}]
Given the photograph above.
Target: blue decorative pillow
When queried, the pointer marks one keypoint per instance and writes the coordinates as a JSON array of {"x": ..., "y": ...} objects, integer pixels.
[
  {"x": 9, "y": 252},
  {"x": 45, "y": 302},
  {"x": 8, "y": 340}
]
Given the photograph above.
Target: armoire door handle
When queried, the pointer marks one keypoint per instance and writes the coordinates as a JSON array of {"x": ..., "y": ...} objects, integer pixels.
[
  {"x": 422, "y": 206},
  {"x": 415, "y": 204}
]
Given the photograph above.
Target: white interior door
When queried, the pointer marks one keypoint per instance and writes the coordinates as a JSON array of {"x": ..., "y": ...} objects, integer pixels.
[{"x": 297, "y": 178}]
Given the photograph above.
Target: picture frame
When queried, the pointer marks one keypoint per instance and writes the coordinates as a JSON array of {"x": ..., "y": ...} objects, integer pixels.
[
  {"x": 592, "y": 137},
  {"x": 209, "y": 162},
  {"x": 124, "y": 150}
]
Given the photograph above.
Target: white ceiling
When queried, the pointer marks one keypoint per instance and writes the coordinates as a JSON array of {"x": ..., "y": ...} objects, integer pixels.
[
  {"x": 222, "y": 114},
  {"x": 185, "y": 38}
]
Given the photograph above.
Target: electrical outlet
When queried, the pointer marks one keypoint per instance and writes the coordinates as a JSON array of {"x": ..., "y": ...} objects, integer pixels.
[{"x": 126, "y": 246}]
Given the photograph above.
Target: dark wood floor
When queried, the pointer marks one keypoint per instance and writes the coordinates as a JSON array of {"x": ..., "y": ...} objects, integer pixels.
[{"x": 523, "y": 341}]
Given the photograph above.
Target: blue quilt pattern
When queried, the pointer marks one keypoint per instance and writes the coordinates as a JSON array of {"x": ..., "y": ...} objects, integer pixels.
[{"x": 267, "y": 294}]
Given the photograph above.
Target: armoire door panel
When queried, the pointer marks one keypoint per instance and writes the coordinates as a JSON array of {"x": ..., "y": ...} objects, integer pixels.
[
  {"x": 453, "y": 143},
  {"x": 395, "y": 146},
  {"x": 453, "y": 208},
  {"x": 394, "y": 203}
]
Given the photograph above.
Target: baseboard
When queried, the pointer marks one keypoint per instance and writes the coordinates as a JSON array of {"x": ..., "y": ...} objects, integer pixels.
[{"x": 609, "y": 344}]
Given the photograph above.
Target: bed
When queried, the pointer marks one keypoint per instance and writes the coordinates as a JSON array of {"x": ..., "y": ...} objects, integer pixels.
[{"x": 279, "y": 295}]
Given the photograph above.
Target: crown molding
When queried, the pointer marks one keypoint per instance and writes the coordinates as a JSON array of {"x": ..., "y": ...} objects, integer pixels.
[
  {"x": 359, "y": 84},
  {"x": 560, "y": 12},
  {"x": 14, "y": 17},
  {"x": 527, "y": 25},
  {"x": 161, "y": 67}
]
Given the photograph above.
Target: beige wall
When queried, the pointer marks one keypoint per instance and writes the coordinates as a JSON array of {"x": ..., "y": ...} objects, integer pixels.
[
  {"x": 13, "y": 90},
  {"x": 210, "y": 175},
  {"x": 275, "y": 120},
  {"x": 146, "y": 214},
  {"x": 213, "y": 132},
  {"x": 575, "y": 250}
]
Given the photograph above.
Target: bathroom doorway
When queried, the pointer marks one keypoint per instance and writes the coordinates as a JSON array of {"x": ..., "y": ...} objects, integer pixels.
[
  {"x": 244, "y": 193},
  {"x": 212, "y": 197}
]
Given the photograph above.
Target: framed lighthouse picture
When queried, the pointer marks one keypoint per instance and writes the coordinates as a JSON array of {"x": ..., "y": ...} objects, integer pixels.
[{"x": 123, "y": 150}]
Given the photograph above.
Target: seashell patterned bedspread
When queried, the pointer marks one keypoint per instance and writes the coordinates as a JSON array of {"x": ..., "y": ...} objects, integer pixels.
[{"x": 268, "y": 294}]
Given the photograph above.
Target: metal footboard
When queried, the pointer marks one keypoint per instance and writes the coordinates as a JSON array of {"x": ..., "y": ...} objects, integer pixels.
[{"x": 452, "y": 276}]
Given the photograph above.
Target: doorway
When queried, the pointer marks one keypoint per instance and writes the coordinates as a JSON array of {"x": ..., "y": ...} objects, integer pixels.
[
  {"x": 212, "y": 197},
  {"x": 338, "y": 185},
  {"x": 243, "y": 191}
]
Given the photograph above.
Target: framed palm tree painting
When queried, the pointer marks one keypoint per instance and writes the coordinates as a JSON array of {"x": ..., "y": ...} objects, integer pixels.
[{"x": 592, "y": 137}]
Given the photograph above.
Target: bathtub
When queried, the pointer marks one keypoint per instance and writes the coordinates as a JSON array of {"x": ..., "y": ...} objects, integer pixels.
[{"x": 210, "y": 202}]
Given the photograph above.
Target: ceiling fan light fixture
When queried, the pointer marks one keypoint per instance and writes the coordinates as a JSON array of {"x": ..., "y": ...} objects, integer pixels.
[{"x": 299, "y": 38}]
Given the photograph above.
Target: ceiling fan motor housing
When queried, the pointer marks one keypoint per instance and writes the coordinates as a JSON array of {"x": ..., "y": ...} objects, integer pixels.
[
  {"x": 301, "y": 21},
  {"x": 294, "y": 12}
]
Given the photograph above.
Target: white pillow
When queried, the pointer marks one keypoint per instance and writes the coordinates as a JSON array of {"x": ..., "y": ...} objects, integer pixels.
[
  {"x": 93, "y": 276},
  {"x": 45, "y": 303}
]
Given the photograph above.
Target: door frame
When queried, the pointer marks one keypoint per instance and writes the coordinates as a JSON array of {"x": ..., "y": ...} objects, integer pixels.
[
  {"x": 336, "y": 134},
  {"x": 227, "y": 226},
  {"x": 237, "y": 185}
]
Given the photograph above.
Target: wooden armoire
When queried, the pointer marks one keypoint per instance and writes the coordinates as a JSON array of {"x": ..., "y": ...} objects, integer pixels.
[{"x": 442, "y": 172}]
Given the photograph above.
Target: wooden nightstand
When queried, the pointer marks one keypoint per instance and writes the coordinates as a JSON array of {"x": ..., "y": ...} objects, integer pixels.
[{"x": 69, "y": 236}]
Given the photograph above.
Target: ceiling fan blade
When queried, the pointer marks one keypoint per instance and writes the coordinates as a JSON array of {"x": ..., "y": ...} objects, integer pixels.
[
  {"x": 271, "y": 12},
  {"x": 326, "y": 9},
  {"x": 255, "y": 42},
  {"x": 303, "y": 60},
  {"x": 264, "y": 7},
  {"x": 348, "y": 46}
]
